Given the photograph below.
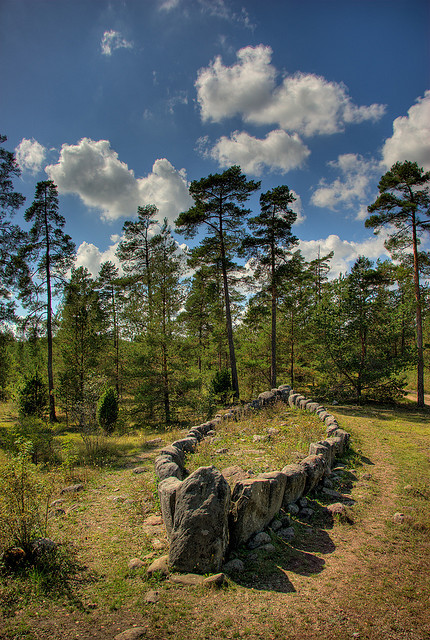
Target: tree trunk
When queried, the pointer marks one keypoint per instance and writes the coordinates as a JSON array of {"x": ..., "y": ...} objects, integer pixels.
[
  {"x": 419, "y": 329},
  {"x": 233, "y": 367},
  {"x": 52, "y": 415},
  {"x": 273, "y": 372}
]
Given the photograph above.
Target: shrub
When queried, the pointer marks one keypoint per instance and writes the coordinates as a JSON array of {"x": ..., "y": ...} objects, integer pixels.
[
  {"x": 107, "y": 410},
  {"x": 33, "y": 397},
  {"x": 24, "y": 500},
  {"x": 221, "y": 385}
]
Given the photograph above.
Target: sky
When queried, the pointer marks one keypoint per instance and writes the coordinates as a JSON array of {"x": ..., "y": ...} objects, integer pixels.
[{"x": 123, "y": 103}]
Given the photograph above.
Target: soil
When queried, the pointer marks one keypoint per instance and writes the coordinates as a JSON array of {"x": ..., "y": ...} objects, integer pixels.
[{"x": 336, "y": 580}]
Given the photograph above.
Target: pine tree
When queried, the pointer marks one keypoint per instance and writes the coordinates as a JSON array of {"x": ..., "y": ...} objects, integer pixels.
[
  {"x": 270, "y": 246},
  {"x": 51, "y": 252},
  {"x": 403, "y": 203},
  {"x": 218, "y": 204}
]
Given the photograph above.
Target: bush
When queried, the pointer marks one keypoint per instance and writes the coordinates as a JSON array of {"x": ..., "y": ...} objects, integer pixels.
[
  {"x": 24, "y": 500},
  {"x": 221, "y": 385},
  {"x": 107, "y": 410},
  {"x": 35, "y": 431},
  {"x": 33, "y": 397}
]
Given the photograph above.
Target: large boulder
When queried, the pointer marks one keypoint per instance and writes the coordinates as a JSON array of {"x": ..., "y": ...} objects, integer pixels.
[
  {"x": 167, "y": 490},
  {"x": 254, "y": 503},
  {"x": 199, "y": 536},
  {"x": 314, "y": 467},
  {"x": 295, "y": 483}
]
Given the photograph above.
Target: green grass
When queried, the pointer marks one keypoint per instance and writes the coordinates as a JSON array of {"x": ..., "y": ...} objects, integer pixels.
[{"x": 264, "y": 441}]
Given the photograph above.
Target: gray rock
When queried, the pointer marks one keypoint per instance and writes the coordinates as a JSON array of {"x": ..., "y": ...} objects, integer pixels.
[
  {"x": 306, "y": 514},
  {"x": 160, "y": 565},
  {"x": 166, "y": 468},
  {"x": 303, "y": 502},
  {"x": 188, "y": 445},
  {"x": 254, "y": 503},
  {"x": 267, "y": 397},
  {"x": 42, "y": 547},
  {"x": 234, "y": 566},
  {"x": 216, "y": 581},
  {"x": 167, "y": 490},
  {"x": 73, "y": 488},
  {"x": 138, "y": 470},
  {"x": 275, "y": 525},
  {"x": 200, "y": 535},
  {"x": 269, "y": 548},
  {"x": 398, "y": 518},
  {"x": 152, "y": 596},
  {"x": 294, "y": 484},
  {"x": 292, "y": 509},
  {"x": 135, "y": 563},
  {"x": 314, "y": 467},
  {"x": 286, "y": 533},
  {"x": 258, "y": 540}
]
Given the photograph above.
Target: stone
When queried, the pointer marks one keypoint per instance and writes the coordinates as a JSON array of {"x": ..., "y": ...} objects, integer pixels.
[
  {"x": 258, "y": 540},
  {"x": 322, "y": 449},
  {"x": 41, "y": 547},
  {"x": 254, "y": 503},
  {"x": 188, "y": 445},
  {"x": 294, "y": 485},
  {"x": 135, "y": 563},
  {"x": 292, "y": 509},
  {"x": 332, "y": 493},
  {"x": 286, "y": 533},
  {"x": 314, "y": 467},
  {"x": 339, "y": 510},
  {"x": 269, "y": 548},
  {"x": 166, "y": 468},
  {"x": 221, "y": 451},
  {"x": 167, "y": 490},
  {"x": 260, "y": 438},
  {"x": 233, "y": 474},
  {"x": 138, "y": 470},
  {"x": 267, "y": 397},
  {"x": 306, "y": 513},
  {"x": 292, "y": 399},
  {"x": 190, "y": 579},
  {"x": 152, "y": 596},
  {"x": 13, "y": 557},
  {"x": 160, "y": 565},
  {"x": 398, "y": 518},
  {"x": 216, "y": 581},
  {"x": 200, "y": 534},
  {"x": 73, "y": 488},
  {"x": 275, "y": 525},
  {"x": 234, "y": 566},
  {"x": 135, "y": 633},
  {"x": 175, "y": 453}
]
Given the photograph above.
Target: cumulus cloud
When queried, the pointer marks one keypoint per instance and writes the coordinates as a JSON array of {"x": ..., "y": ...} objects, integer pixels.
[
  {"x": 277, "y": 151},
  {"x": 30, "y": 155},
  {"x": 350, "y": 190},
  {"x": 345, "y": 252},
  {"x": 90, "y": 256},
  {"x": 305, "y": 103},
  {"x": 411, "y": 136},
  {"x": 92, "y": 170},
  {"x": 113, "y": 40}
]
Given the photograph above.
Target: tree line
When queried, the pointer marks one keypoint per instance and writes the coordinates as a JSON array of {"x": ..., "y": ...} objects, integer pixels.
[{"x": 175, "y": 333}]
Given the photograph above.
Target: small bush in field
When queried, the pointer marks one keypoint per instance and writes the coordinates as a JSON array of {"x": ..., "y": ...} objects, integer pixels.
[
  {"x": 107, "y": 410},
  {"x": 33, "y": 397},
  {"x": 24, "y": 499}
]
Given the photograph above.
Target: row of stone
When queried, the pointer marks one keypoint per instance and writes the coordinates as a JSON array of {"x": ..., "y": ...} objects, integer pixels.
[{"x": 205, "y": 519}]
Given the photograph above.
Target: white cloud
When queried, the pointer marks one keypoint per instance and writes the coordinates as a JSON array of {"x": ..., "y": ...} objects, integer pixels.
[
  {"x": 113, "y": 40},
  {"x": 90, "y": 256},
  {"x": 277, "y": 151},
  {"x": 345, "y": 252},
  {"x": 411, "y": 136},
  {"x": 352, "y": 189},
  {"x": 305, "y": 103},
  {"x": 30, "y": 155},
  {"x": 92, "y": 170}
]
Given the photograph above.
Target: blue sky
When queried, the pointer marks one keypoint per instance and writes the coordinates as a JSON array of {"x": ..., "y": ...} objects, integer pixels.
[{"x": 124, "y": 103}]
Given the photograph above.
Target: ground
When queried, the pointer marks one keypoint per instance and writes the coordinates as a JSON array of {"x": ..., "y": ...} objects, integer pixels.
[{"x": 366, "y": 579}]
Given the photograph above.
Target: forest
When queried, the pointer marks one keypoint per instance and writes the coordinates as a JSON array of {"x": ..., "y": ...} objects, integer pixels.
[{"x": 167, "y": 336}]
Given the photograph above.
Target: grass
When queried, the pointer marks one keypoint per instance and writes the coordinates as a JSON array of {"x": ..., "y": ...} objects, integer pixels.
[
  {"x": 335, "y": 579},
  {"x": 263, "y": 441}
]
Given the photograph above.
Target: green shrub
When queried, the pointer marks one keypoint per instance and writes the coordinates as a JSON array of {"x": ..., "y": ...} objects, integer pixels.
[
  {"x": 33, "y": 397},
  {"x": 24, "y": 500},
  {"x": 107, "y": 410},
  {"x": 221, "y": 385}
]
